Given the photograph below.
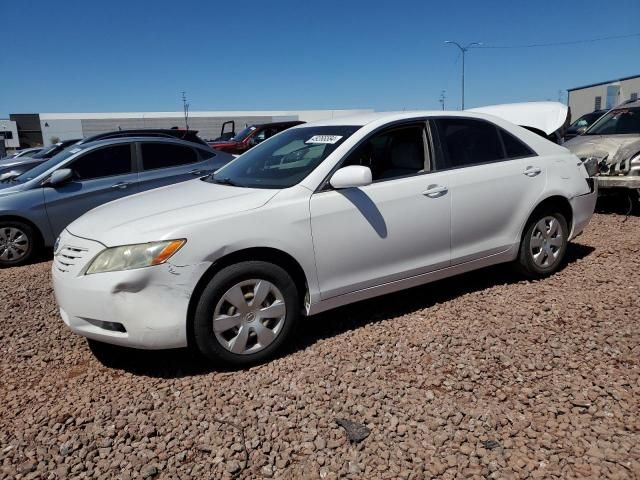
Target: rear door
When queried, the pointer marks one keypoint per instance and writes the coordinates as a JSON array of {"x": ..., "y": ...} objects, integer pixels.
[
  {"x": 495, "y": 180},
  {"x": 100, "y": 176},
  {"x": 164, "y": 163}
]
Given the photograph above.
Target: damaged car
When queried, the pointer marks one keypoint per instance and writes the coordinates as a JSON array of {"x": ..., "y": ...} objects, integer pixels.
[
  {"x": 610, "y": 149},
  {"x": 318, "y": 216}
]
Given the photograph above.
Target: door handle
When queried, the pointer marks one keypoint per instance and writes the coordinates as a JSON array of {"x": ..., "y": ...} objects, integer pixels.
[
  {"x": 120, "y": 185},
  {"x": 197, "y": 172},
  {"x": 532, "y": 171},
  {"x": 435, "y": 191}
]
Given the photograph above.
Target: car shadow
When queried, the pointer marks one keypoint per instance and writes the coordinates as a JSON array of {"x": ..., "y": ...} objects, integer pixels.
[{"x": 179, "y": 363}]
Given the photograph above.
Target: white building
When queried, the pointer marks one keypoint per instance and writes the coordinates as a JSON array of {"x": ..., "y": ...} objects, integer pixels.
[
  {"x": 45, "y": 128},
  {"x": 603, "y": 95},
  {"x": 9, "y": 135}
]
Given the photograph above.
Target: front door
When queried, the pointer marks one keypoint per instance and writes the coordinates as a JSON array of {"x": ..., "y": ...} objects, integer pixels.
[
  {"x": 395, "y": 228},
  {"x": 100, "y": 176}
]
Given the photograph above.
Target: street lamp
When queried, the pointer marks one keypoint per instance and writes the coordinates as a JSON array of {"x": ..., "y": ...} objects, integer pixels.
[{"x": 463, "y": 50}]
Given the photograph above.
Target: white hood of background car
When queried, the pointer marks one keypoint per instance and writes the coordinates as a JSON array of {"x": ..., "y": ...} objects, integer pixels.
[
  {"x": 156, "y": 214},
  {"x": 544, "y": 116}
]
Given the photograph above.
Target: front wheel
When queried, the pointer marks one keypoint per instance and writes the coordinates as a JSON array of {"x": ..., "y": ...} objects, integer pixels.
[
  {"x": 17, "y": 243},
  {"x": 544, "y": 244},
  {"x": 246, "y": 313}
]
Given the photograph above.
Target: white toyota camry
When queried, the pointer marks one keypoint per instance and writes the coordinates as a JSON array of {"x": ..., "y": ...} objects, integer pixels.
[{"x": 318, "y": 216}]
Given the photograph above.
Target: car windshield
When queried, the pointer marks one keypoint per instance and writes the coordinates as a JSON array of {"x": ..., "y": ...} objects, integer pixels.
[
  {"x": 585, "y": 120},
  {"x": 243, "y": 134},
  {"x": 617, "y": 122},
  {"x": 46, "y": 165},
  {"x": 46, "y": 152},
  {"x": 283, "y": 160}
]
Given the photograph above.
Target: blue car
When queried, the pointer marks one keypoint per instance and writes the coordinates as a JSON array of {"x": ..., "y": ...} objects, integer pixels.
[{"x": 38, "y": 204}]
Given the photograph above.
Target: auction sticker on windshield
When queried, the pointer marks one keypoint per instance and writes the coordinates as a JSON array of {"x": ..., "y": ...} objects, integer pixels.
[{"x": 330, "y": 139}]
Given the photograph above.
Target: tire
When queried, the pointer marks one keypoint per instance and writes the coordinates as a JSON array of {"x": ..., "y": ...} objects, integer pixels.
[
  {"x": 245, "y": 333},
  {"x": 18, "y": 243},
  {"x": 539, "y": 261}
]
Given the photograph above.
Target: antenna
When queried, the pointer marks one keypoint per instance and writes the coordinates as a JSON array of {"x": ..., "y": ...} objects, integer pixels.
[
  {"x": 185, "y": 106},
  {"x": 443, "y": 97}
]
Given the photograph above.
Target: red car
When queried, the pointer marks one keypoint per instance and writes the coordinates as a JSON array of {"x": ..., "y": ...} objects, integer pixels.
[{"x": 251, "y": 136}]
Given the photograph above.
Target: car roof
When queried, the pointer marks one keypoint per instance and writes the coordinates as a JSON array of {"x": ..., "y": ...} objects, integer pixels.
[
  {"x": 116, "y": 140},
  {"x": 627, "y": 104},
  {"x": 384, "y": 117},
  {"x": 273, "y": 124}
]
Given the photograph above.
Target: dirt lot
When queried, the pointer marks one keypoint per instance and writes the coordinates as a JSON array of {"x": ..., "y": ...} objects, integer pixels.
[{"x": 482, "y": 376}]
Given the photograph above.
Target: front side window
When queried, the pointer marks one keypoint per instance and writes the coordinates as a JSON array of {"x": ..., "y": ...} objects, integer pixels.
[
  {"x": 284, "y": 160},
  {"x": 103, "y": 162},
  {"x": 617, "y": 122},
  {"x": 393, "y": 153},
  {"x": 467, "y": 141},
  {"x": 164, "y": 155}
]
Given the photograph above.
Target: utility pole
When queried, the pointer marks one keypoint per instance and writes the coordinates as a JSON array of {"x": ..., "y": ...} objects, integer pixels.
[
  {"x": 185, "y": 106},
  {"x": 463, "y": 50},
  {"x": 443, "y": 97}
]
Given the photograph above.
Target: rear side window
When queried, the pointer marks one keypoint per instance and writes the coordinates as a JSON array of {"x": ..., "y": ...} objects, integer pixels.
[
  {"x": 468, "y": 141},
  {"x": 514, "y": 147},
  {"x": 104, "y": 162},
  {"x": 164, "y": 155},
  {"x": 206, "y": 154}
]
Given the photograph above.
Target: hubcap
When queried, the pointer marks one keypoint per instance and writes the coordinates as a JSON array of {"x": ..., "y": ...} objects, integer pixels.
[
  {"x": 249, "y": 316},
  {"x": 14, "y": 243},
  {"x": 546, "y": 242}
]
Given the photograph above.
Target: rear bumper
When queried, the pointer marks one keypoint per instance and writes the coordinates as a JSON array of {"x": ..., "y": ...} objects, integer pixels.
[
  {"x": 618, "y": 181},
  {"x": 583, "y": 207}
]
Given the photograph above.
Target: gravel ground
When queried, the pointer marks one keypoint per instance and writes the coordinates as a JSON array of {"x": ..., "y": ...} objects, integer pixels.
[{"x": 482, "y": 376}]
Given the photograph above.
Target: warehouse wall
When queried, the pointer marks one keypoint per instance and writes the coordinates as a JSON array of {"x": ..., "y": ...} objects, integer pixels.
[{"x": 584, "y": 100}]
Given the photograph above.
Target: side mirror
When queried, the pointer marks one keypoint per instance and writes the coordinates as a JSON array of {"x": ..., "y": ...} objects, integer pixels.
[
  {"x": 351, "y": 176},
  {"x": 581, "y": 130},
  {"x": 58, "y": 177}
]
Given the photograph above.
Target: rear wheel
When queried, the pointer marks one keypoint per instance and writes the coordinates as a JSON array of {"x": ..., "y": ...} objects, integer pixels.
[
  {"x": 246, "y": 313},
  {"x": 18, "y": 243},
  {"x": 544, "y": 244}
]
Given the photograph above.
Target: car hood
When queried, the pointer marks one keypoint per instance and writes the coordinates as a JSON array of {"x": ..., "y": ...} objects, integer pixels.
[
  {"x": 9, "y": 188},
  {"x": 611, "y": 151},
  {"x": 547, "y": 117},
  {"x": 160, "y": 213}
]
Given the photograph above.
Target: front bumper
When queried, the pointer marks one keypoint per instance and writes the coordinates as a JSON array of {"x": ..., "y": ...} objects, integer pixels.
[
  {"x": 618, "y": 181},
  {"x": 142, "y": 308},
  {"x": 583, "y": 207}
]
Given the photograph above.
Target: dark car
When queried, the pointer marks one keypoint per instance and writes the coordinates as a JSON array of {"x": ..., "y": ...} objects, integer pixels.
[
  {"x": 37, "y": 205},
  {"x": 251, "y": 136},
  {"x": 187, "y": 135},
  {"x": 580, "y": 125}
]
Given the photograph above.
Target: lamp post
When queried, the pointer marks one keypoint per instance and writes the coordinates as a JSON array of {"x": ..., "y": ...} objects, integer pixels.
[{"x": 463, "y": 50}]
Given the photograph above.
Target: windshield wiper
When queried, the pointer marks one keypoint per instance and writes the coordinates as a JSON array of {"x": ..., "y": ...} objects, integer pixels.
[{"x": 225, "y": 181}]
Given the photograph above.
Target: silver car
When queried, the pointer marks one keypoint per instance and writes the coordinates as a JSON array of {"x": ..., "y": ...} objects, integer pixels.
[
  {"x": 612, "y": 144},
  {"x": 38, "y": 204}
]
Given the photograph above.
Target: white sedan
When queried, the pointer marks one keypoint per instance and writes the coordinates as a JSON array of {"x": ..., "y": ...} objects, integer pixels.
[{"x": 318, "y": 216}]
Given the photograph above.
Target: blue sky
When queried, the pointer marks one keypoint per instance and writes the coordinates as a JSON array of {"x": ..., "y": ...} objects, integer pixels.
[{"x": 86, "y": 56}]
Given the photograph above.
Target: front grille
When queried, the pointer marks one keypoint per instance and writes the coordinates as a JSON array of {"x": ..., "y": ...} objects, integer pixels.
[{"x": 68, "y": 257}]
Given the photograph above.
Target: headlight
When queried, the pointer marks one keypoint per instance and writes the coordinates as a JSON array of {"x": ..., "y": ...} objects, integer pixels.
[{"x": 128, "y": 257}]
